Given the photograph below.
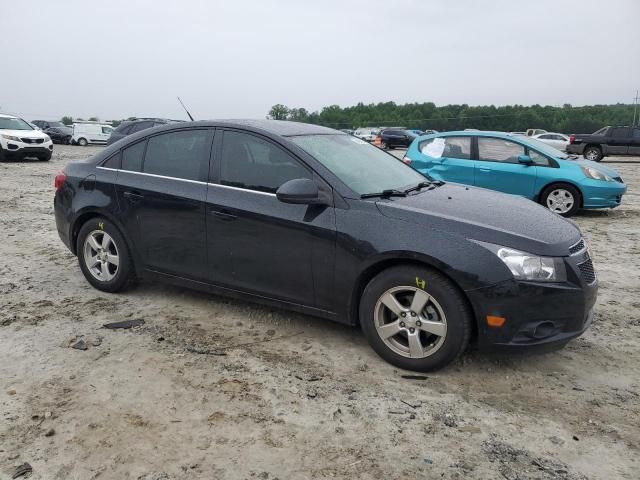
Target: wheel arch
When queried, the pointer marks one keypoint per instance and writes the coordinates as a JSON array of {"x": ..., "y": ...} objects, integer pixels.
[
  {"x": 398, "y": 260},
  {"x": 552, "y": 183},
  {"x": 87, "y": 215}
]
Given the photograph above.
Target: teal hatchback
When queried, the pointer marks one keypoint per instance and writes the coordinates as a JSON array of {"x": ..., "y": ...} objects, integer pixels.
[{"x": 517, "y": 165}]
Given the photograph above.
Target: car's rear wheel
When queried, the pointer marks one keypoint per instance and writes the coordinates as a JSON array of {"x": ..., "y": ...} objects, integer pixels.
[
  {"x": 592, "y": 153},
  {"x": 82, "y": 142},
  {"x": 103, "y": 255},
  {"x": 561, "y": 198},
  {"x": 415, "y": 318}
]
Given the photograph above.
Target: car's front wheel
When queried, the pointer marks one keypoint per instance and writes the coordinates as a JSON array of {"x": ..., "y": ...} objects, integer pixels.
[
  {"x": 561, "y": 198},
  {"x": 82, "y": 142},
  {"x": 415, "y": 318},
  {"x": 103, "y": 255}
]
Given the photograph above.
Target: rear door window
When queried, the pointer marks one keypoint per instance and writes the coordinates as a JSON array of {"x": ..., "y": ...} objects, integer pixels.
[
  {"x": 499, "y": 150},
  {"x": 183, "y": 154},
  {"x": 449, "y": 147},
  {"x": 132, "y": 157},
  {"x": 253, "y": 163},
  {"x": 620, "y": 132}
]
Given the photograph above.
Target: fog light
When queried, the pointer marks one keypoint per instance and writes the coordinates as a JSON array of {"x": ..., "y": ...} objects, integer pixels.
[
  {"x": 495, "y": 322},
  {"x": 11, "y": 146}
]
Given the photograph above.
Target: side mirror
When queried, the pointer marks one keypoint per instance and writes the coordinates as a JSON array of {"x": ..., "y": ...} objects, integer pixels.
[
  {"x": 300, "y": 191},
  {"x": 525, "y": 160}
]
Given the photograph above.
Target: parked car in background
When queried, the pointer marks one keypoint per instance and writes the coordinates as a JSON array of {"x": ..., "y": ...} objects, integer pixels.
[
  {"x": 534, "y": 131},
  {"x": 132, "y": 126},
  {"x": 394, "y": 137},
  {"x": 520, "y": 166},
  {"x": 44, "y": 124},
  {"x": 606, "y": 141},
  {"x": 60, "y": 135},
  {"x": 556, "y": 140},
  {"x": 367, "y": 133},
  {"x": 415, "y": 132},
  {"x": 310, "y": 219},
  {"x": 18, "y": 140},
  {"x": 90, "y": 133},
  {"x": 348, "y": 131}
]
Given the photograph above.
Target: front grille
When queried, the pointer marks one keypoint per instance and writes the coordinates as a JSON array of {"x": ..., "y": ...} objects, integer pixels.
[
  {"x": 32, "y": 140},
  {"x": 587, "y": 271},
  {"x": 577, "y": 247}
]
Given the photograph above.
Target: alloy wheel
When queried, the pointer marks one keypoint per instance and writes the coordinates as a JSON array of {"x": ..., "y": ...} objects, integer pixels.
[
  {"x": 592, "y": 155},
  {"x": 410, "y": 322},
  {"x": 560, "y": 200},
  {"x": 101, "y": 255}
]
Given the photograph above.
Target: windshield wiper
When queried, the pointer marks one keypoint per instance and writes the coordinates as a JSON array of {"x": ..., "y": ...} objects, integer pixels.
[{"x": 390, "y": 192}]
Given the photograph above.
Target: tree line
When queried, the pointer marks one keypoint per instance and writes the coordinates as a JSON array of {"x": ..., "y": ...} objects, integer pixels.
[{"x": 423, "y": 116}]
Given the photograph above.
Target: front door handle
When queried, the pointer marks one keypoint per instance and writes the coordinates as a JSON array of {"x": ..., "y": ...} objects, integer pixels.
[
  {"x": 224, "y": 216},
  {"x": 485, "y": 170},
  {"x": 133, "y": 197}
]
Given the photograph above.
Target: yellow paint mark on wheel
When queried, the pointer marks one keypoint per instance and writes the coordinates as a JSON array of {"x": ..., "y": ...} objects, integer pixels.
[
  {"x": 101, "y": 225},
  {"x": 421, "y": 283}
]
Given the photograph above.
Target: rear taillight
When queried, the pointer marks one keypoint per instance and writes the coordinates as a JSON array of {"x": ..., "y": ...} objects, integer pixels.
[
  {"x": 572, "y": 138},
  {"x": 378, "y": 141},
  {"x": 406, "y": 160},
  {"x": 59, "y": 180}
]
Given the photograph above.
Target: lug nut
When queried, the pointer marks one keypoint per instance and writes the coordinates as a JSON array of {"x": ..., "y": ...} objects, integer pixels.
[
  {"x": 413, "y": 314},
  {"x": 418, "y": 323},
  {"x": 402, "y": 324},
  {"x": 412, "y": 330},
  {"x": 403, "y": 314}
]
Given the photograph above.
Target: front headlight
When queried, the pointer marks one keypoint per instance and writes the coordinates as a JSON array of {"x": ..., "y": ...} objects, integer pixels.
[
  {"x": 526, "y": 266},
  {"x": 596, "y": 174},
  {"x": 47, "y": 138},
  {"x": 11, "y": 137}
]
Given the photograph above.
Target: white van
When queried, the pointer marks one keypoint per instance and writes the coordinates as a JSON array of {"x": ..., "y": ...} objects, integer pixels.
[{"x": 91, "y": 133}]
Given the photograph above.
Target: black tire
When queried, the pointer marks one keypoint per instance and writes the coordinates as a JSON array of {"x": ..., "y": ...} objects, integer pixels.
[
  {"x": 82, "y": 142},
  {"x": 594, "y": 152},
  {"x": 45, "y": 158},
  {"x": 564, "y": 186},
  {"x": 124, "y": 272},
  {"x": 2, "y": 155},
  {"x": 454, "y": 306}
]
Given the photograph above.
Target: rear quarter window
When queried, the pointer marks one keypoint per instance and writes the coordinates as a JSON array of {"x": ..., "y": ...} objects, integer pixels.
[{"x": 132, "y": 157}]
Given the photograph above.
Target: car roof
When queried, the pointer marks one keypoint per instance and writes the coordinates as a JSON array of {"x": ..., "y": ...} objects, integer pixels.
[
  {"x": 4, "y": 115},
  {"x": 283, "y": 128}
]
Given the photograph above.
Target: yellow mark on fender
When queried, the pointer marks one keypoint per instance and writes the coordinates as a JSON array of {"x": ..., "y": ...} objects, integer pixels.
[
  {"x": 101, "y": 225},
  {"x": 420, "y": 283}
]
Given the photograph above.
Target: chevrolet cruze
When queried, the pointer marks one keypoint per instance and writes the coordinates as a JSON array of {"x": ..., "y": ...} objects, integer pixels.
[{"x": 317, "y": 221}]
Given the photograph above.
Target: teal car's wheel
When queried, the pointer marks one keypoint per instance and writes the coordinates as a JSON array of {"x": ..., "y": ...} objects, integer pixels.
[{"x": 561, "y": 198}]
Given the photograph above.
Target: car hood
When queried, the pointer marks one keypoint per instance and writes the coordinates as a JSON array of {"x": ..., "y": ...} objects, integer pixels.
[
  {"x": 24, "y": 133},
  {"x": 598, "y": 166},
  {"x": 488, "y": 216}
]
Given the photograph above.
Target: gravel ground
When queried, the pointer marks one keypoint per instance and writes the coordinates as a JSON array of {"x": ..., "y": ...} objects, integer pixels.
[{"x": 294, "y": 397}]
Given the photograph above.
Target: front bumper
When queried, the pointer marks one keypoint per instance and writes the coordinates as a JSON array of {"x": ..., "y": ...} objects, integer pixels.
[
  {"x": 600, "y": 194},
  {"x": 537, "y": 313},
  {"x": 19, "y": 149}
]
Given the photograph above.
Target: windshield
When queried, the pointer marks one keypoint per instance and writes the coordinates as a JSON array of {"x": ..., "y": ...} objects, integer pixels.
[
  {"x": 362, "y": 167},
  {"x": 8, "y": 123},
  {"x": 546, "y": 148}
]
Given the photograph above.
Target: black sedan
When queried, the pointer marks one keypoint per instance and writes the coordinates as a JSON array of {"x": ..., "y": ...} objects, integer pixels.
[
  {"x": 317, "y": 221},
  {"x": 60, "y": 134}
]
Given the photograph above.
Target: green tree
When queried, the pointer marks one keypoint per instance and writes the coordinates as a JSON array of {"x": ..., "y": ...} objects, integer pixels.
[
  {"x": 94, "y": 119},
  {"x": 279, "y": 112},
  {"x": 67, "y": 120}
]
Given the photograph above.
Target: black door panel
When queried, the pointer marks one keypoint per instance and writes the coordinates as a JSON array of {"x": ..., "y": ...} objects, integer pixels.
[
  {"x": 263, "y": 246},
  {"x": 166, "y": 219}
]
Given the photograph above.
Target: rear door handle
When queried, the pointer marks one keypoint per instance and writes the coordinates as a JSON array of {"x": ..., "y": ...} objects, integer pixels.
[
  {"x": 224, "y": 216},
  {"x": 133, "y": 197},
  {"x": 485, "y": 170}
]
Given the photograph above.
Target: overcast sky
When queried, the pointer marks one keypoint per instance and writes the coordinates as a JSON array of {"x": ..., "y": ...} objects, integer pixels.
[{"x": 234, "y": 59}]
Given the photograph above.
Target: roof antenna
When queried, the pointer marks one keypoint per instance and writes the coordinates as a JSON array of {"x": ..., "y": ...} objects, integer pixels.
[{"x": 185, "y": 109}]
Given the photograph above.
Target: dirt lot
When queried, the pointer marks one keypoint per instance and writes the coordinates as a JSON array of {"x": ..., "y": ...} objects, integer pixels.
[{"x": 294, "y": 397}]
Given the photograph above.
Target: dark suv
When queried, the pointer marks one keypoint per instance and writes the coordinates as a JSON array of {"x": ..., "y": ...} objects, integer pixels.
[
  {"x": 44, "y": 124},
  {"x": 314, "y": 220},
  {"x": 606, "y": 141},
  {"x": 132, "y": 126},
  {"x": 394, "y": 137}
]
